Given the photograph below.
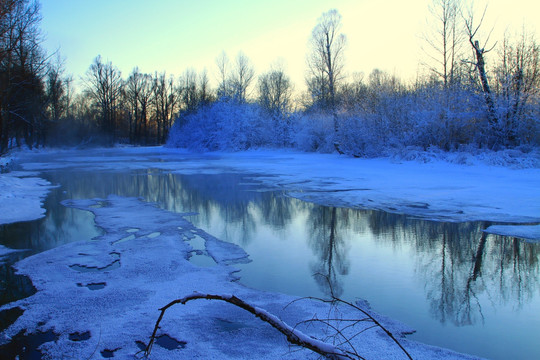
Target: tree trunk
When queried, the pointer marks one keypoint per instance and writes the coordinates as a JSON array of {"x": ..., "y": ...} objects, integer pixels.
[{"x": 480, "y": 65}]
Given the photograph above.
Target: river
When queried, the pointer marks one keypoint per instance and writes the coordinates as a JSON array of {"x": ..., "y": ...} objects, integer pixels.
[{"x": 459, "y": 287}]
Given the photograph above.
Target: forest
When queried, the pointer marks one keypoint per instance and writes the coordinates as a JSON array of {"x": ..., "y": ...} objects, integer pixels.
[{"x": 473, "y": 93}]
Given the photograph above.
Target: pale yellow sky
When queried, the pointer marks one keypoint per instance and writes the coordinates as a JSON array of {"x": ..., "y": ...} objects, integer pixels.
[{"x": 171, "y": 35}]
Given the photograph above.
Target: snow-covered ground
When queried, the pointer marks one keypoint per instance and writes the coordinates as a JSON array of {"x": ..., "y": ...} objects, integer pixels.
[{"x": 101, "y": 297}]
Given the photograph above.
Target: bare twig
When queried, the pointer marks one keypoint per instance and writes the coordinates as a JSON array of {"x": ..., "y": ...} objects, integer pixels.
[
  {"x": 293, "y": 335},
  {"x": 334, "y": 300}
]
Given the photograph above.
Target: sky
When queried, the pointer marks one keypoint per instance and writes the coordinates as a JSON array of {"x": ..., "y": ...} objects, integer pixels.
[{"x": 174, "y": 35}]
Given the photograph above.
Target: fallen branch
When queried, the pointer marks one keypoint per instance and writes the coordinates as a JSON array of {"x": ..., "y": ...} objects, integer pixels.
[{"x": 293, "y": 335}]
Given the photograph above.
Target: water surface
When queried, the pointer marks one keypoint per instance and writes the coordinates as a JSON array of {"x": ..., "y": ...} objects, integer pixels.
[{"x": 457, "y": 286}]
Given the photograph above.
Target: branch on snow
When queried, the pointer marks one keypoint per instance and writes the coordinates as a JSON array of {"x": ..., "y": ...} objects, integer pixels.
[{"x": 293, "y": 335}]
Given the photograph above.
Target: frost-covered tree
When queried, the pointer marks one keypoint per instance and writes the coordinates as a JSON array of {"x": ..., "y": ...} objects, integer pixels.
[
  {"x": 518, "y": 87},
  {"x": 479, "y": 51},
  {"x": 274, "y": 97},
  {"x": 222, "y": 125}
]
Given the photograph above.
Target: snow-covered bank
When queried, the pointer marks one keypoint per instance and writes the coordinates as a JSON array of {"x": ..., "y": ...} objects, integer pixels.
[
  {"x": 101, "y": 297},
  {"x": 435, "y": 190}
]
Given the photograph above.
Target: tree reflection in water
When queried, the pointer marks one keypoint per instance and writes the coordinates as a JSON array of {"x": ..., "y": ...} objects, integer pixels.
[
  {"x": 459, "y": 264},
  {"x": 330, "y": 249}
]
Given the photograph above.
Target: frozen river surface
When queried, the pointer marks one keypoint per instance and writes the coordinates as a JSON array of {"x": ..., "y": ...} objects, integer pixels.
[{"x": 295, "y": 231}]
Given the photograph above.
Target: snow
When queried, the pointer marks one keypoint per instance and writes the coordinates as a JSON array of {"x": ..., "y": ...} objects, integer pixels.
[
  {"x": 527, "y": 232},
  {"x": 6, "y": 251},
  {"x": 21, "y": 196},
  {"x": 5, "y": 163},
  {"x": 154, "y": 271}
]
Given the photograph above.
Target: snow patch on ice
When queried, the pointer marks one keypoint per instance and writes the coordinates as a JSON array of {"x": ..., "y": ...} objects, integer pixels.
[
  {"x": 6, "y": 251},
  {"x": 21, "y": 197},
  {"x": 527, "y": 232}
]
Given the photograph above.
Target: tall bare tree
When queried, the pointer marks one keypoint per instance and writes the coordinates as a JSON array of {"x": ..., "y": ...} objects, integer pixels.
[
  {"x": 22, "y": 70},
  {"x": 104, "y": 84},
  {"x": 56, "y": 88},
  {"x": 472, "y": 26},
  {"x": 189, "y": 91},
  {"x": 518, "y": 81},
  {"x": 446, "y": 42},
  {"x": 205, "y": 93},
  {"x": 326, "y": 60},
  {"x": 275, "y": 91},
  {"x": 135, "y": 87},
  {"x": 242, "y": 77},
  {"x": 165, "y": 102},
  {"x": 223, "y": 64}
]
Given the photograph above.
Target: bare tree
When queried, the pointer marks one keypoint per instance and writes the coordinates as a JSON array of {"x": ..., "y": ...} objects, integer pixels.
[
  {"x": 445, "y": 44},
  {"x": 189, "y": 91},
  {"x": 242, "y": 77},
  {"x": 472, "y": 27},
  {"x": 133, "y": 91},
  {"x": 104, "y": 84},
  {"x": 55, "y": 88},
  {"x": 518, "y": 81},
  {"x": 205, "y": 94},
  {"x": 275, "y": 91},
  {"x": 145, "y": 100},
  {"x": 22, "y": 70},
  {"x": 326, "y": 60},
  {"x": 354, "y": 94},
  {"x": 223, "y": 64},
  {"x": 165, "y": 102}
]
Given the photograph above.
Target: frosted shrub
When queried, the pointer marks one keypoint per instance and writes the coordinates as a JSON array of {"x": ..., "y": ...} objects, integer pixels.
[
  {"x": 313, "y": 132},
  {"x": 400, "y": 123},
  {"x": 223, "y": 125}
]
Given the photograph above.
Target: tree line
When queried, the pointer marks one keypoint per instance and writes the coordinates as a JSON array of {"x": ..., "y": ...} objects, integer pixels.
[{"x": 474, "y": 92}]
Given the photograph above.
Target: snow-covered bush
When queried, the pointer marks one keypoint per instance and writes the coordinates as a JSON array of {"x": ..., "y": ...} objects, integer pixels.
[
  {"x": 409, "y": 124},
  {"x": 313, "y": 132},
  {"x": 225, "y": 125}
]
